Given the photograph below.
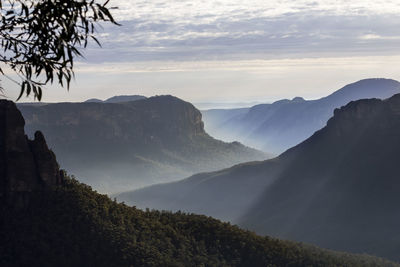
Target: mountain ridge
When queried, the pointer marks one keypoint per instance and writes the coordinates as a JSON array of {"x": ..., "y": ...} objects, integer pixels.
[
  {"x": 329, "y": 190},
  {"x": 116, "y": 99},
  {"x": 25, "y": 165},
  {"x": 114, "y": 146},
  {"x": 66, "y": 223},
  {"x": 285, "y": 123}
]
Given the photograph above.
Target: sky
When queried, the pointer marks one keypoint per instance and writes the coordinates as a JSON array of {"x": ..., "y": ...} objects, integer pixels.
[{"x": 236, "y": 51}]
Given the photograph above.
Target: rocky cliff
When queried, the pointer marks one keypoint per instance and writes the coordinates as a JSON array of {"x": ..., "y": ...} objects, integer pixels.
[
  {"x": 118, "y": 147},
  {"x": 25, "y": 165}
]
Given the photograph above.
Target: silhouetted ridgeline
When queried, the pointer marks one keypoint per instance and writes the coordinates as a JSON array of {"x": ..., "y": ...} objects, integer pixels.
[
  {"x": 339, "y": 189},
  {"x": 278, "y": 126},
  {"x": 117, "y": 99},
  {"x": 25, "y": 165},
  {"x": 121, "y": 146},
  {"x": 64, "y": 223}
]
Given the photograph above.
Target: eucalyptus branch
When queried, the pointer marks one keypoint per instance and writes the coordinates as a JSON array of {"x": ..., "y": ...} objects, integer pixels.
[{"x": 43, "y": 37}]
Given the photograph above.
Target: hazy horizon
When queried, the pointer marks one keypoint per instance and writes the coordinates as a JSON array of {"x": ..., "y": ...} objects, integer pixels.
[
  {"x": 183, "y": 154},
  {"x": 231, "y": 51}
]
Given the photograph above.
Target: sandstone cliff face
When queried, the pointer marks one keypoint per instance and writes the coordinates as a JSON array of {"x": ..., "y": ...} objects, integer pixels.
[
  {"x": 25, "y": 165},
  {"x": 124, "y": 146}
]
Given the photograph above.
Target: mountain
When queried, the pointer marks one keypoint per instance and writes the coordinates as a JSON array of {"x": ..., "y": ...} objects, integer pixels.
[
  {"x": 25, "y": 165},
  {"x": 339, "y": 189},
  {"x": 278, "y": 126},
  {"x": 49, "y": 219},
  {"x": 94, "y": 100},
  {"x": 117, "y": 99},
  {"x": 124, "y": 98},
  {"x": 121, "y": 146}
]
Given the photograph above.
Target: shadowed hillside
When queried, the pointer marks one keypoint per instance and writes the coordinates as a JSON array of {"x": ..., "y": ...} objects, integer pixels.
[
  {"x": 60, "y": 222},
  {"x": 278, "y": 126},
  {"x": 121, "y": 146},
  {"x": 339, "y": 189}
]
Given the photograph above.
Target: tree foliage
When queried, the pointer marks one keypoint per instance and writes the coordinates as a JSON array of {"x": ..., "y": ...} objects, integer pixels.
[
  {"x": 40, "y": 38},
  {"x": 74, "y": 226}
]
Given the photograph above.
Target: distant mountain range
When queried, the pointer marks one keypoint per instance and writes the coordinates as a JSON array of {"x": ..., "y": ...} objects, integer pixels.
[
  {"x": 50, "y": 219},
  {"x": 278, "y": 126},
  {"x": 117, "y": 99},
  {"x": 125, "y": 145},
  {"x": 338, "y": 189}
]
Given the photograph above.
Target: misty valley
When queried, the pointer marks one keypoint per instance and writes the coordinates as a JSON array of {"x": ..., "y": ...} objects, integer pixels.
[
  {"x": 336, "y": 187},
  {"x": 183, "y": 133}
]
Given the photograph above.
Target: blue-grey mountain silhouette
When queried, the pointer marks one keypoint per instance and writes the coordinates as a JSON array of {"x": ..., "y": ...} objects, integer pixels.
[
  {"x": 125, "y": 145},
  {"x": 278, "y": 126},
  {"x": 338, "y": 189}
]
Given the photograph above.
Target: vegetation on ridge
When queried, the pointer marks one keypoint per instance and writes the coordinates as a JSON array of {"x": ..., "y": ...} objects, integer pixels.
[{"x": 73, "y": 225}]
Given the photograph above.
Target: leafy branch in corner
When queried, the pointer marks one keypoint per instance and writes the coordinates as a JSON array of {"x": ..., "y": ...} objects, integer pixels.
[{"x": 39, "y": 39}]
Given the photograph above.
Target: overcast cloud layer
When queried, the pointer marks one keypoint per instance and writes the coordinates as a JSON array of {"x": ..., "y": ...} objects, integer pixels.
[
  {"x": 236, "y": 50},
  {"x": 233, "y": 29}
]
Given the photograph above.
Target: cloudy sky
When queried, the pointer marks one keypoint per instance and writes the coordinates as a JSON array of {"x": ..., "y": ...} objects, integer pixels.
[{"x": 238, "y": 51}]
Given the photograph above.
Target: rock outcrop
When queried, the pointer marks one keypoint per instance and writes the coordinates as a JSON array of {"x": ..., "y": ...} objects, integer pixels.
[
  {"x": 117, "y": 147},
  {"x": 25, "y": 165}
]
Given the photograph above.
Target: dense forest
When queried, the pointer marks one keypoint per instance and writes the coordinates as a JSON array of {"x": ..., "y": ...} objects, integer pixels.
[{"x": 73, "y": 225}]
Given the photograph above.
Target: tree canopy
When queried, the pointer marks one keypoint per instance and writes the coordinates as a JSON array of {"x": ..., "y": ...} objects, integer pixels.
[
  {"x": 39, "y": 39},
  {"x": 71, "y": 225}
]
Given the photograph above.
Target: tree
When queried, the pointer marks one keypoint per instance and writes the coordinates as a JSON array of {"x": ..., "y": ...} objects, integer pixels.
[{"x": 41, "y": 38}]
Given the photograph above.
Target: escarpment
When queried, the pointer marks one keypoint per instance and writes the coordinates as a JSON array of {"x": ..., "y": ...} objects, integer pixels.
[{"x": 25, "y": 165}]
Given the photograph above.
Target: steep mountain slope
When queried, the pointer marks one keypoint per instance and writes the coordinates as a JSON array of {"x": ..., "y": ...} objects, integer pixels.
[
  {"x": 278, "y": 126},
  {"x": 339, "y": 189},
  {"x": 60, "y": 222},
  {"x": 120, "y": 146},
  {"x": 225, "y": 194},
  {"x": 25, "y": 165}
]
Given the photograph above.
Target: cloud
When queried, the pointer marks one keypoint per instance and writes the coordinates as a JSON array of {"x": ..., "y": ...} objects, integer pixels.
[
  {"x": 235, "y": 81},
  {"x": 207, "y": 11},
  {"x": 272, "y": 67},
  {"x": 372, "y": 36},
  {"x": 242, "y": 47},
  {"x": 231, "y": 29}
]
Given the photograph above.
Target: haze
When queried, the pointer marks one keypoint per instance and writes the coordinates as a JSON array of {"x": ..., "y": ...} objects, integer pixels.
[{"x": 254, "y": 50}]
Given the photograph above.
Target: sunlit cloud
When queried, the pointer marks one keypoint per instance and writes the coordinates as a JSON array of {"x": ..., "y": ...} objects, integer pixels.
[{"x": 378, "y": 37}]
